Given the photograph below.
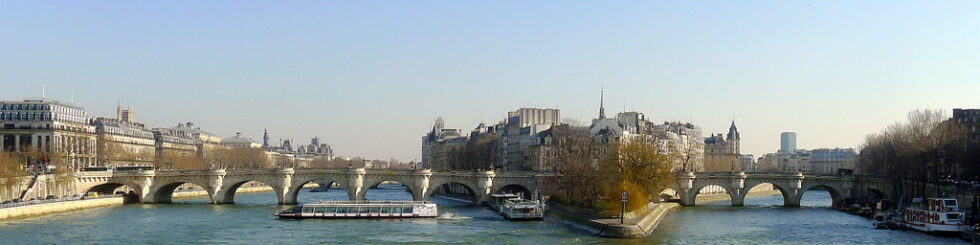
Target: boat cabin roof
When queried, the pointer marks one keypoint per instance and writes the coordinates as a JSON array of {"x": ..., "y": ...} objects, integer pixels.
[{"x": 370, "y": 202}]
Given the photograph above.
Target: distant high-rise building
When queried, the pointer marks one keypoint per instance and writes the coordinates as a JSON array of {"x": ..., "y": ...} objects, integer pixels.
[{"x": 787, "y": 142}]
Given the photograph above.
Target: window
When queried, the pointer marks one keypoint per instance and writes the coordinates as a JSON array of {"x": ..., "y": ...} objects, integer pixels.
[
  {"x": 385, "y": 210},
  {"x": 375, "y": 210},
  {"x": 341, "y": 210},
  {"x": 331, "y": 210},
  {"x": 407, "y": 210},
  {"x": 396, "y": 210},
  {"x": 952, "y": 216},
  {"x": 362, "y": 210},
  {"x": 307, "y": 210}
]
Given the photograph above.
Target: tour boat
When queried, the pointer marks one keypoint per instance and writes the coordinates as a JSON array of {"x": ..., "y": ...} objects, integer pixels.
[
  {"x": 521, "y": 209},
  {"x": 360, "y": 210},
  {"x": 499, "y": 199},
  {"x": 934, "y": 215}
]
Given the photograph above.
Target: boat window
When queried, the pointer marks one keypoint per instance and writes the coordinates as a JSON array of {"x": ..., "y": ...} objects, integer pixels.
[
  {"x": 363, "y": 210},
  {"x": 385, "y": 209},
  {"x": 952, "y": 216},
  {"x": 396, "y": 210},
  {"x": 341, "y": 210},
  {"x": 407, "y": 210},
  {"x": 331, "y": 209},
  {"x": 375, "y": 209},
  {"x": 318, "y": 210},
  {"x": 950, "y": 202},
  {"x": 307, "y": 210}
]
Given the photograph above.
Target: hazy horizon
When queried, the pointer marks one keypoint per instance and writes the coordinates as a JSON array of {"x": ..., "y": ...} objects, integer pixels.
[{"x": 370, "y": 78}]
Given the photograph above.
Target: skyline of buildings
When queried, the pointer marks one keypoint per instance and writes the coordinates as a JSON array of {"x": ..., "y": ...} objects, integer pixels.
[
  {"x": 26, "y": 124},
  {"x": 40, "y": 125}
]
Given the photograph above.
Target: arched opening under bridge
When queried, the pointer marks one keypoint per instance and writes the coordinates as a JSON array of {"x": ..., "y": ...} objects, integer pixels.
[
  {"x": 251, "y": 192},
  {"x": 454, "y": 192},
  {"x": 389, "y": 190},
  {"x": 128, "y": 192}
]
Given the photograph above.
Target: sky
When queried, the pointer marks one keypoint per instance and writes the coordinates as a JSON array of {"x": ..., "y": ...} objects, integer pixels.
[{"x": 369, "y": 77}]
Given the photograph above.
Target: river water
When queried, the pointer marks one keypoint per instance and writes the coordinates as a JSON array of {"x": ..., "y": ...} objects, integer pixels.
[{"x": 250, "y": 221}]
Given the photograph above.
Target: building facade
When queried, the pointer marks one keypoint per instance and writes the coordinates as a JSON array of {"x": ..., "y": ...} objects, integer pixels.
[
  {"x": 442, "y": 147},
  {"x": 969, "y": 120},
  {"x": 170, "y": 141},
  {"x": 833, "y": 161},
  {"x": 722, "y": 153},
  {"x": 48, "y": 126},
  {"x": 520, "y": 132},
  {"x": 124, "y": 143}
]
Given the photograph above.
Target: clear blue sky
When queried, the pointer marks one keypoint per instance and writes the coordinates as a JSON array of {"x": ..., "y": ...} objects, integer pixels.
[{"x": 369, "y": 77}]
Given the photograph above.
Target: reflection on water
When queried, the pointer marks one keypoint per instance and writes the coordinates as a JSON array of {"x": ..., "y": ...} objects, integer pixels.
[{"x": 250, "y": 221}]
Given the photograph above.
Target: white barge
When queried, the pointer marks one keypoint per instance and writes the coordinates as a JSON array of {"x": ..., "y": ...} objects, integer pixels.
[
  {"x": 522, "y": 209},
  {"x": 360, "y": 210},
  {"x": 934, "y": 215}
]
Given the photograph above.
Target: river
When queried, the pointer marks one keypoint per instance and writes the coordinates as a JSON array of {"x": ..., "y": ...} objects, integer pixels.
[{"x": 250, "y": 221}]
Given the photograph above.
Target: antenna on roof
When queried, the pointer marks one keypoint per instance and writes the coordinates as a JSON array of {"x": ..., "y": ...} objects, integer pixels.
[{"x": 42, "y": 91}]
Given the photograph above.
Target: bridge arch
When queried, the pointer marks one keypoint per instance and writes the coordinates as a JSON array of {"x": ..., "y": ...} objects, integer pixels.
[
  {"x": 692, "y": 196},
  {"x": 669, "y": 193},
  {"x": 788, "y": 197},
  {"x": 163, "y": 192},
  {"x": 837, "y": 194},
  {"x": 292, "y": 195},
  {"x": 226, "y": 195},
  {"x": 133, "y": 196},
  {"x": 476, "y": 197},
  {"x": 374, "y": 182},
  {"x": 515, "y": 188}
]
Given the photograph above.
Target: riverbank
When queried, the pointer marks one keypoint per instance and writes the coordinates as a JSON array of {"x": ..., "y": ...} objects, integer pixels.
[
  {"x": 638, "y": 224},
  {"x": 57, "y": 207}
]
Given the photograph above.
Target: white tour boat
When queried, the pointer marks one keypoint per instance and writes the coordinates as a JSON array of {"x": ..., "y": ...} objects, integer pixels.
[
  {"x": 522, "y": 209},
  {"x": 360, "y": 210},
  {"x": 935, "y": 215}
]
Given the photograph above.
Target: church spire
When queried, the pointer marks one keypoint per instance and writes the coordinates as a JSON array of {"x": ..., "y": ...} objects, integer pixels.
[
  {"x": 602, "y": 108},
  {"x": 733, "y": 131},
  {"x": 265, "y": 138}
]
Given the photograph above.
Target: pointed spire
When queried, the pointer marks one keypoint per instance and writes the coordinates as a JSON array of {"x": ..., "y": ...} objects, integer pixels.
[
  {"x": 602, "y": 98},
  {"x": 733, "y": 131},
  {"x": 265, "y": 138}
]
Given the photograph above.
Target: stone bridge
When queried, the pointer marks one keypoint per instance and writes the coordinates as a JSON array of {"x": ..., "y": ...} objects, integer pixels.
[
  {"x": 149, "y": 186},
  {"x": 792, "y": 186}
]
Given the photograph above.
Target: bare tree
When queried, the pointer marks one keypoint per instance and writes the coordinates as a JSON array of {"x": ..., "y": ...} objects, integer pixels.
[
  {"x": 11, "y": 175},
  {"x": 914, "y": 152}
]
